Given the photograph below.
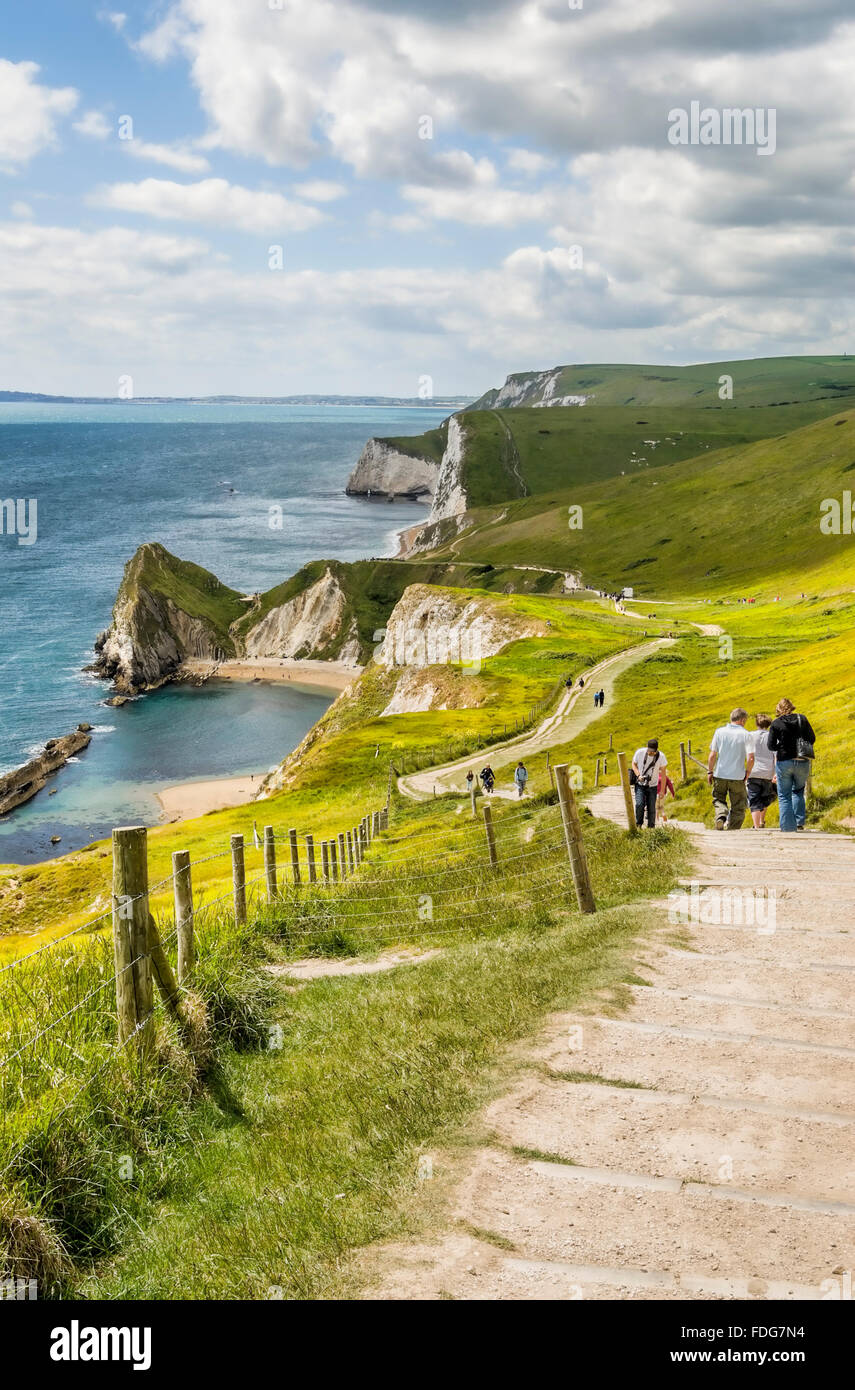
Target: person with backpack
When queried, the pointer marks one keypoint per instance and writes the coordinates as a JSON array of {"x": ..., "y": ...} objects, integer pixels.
[
  {"x": 488, "y": 778},
  {"x": 730, "y": 762},
  {"x": 792, "y": 740},
  {"x": 521, "y": 777},
  {"x": 646, "y": 766}
]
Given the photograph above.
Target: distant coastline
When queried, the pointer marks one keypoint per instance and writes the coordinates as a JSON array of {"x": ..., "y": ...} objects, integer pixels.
[{"x": 352, "y": 402}]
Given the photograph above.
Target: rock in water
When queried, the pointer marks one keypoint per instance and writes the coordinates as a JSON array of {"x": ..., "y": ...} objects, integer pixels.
[{"x": 24, "y": 782}]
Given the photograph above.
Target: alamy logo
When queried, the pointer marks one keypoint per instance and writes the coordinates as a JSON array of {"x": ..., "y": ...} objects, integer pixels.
[
  {"x": 725, "y": 907},
  {"x": 76, "y": 1343},
  {"x": 19, "y": 516},
  {"x": 732, "y": 125}
]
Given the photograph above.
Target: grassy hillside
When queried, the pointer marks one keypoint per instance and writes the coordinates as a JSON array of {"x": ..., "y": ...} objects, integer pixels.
[
  {"x": 756, "y": 382},
  {"x": 730, "y": 521},
  {"x": 373, "y": 587}
]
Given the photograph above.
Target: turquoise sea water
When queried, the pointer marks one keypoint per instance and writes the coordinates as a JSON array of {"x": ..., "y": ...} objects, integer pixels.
[{"x": 201, "y": 480}]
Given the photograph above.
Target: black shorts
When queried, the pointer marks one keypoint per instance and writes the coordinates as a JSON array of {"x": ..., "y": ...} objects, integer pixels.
[{"x": 761, "y": 793}]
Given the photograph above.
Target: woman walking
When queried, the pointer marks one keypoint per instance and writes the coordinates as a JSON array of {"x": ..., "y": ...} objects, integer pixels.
[
  {"x": 761, "y": 784},
  {"x": 792, "y": 740}
]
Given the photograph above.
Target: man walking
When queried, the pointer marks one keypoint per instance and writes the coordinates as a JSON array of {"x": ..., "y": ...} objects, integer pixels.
[
  {"x": 730, "y": 762},
  {"x": 647, "y": 764},
  {"x": 521, "y": 777}
]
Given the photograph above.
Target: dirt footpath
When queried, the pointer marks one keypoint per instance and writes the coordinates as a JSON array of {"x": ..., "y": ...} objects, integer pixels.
[
  {"x": 574, "y": 712},
  {"x": 713, "y": 1155}
]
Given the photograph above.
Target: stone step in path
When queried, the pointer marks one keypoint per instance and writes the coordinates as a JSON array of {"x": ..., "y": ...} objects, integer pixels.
[{"x": 699, "y": 1144}]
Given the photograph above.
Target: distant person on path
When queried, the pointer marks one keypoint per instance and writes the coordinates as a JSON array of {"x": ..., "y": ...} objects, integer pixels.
[
  {"x": 761, "y": 783},
  {"x": 602, "y": 698},
  {"x": 521, "y": 777},
  {"x": 647, "y": 765},
  {"x": 664, "y": 788},
  {"x": 730, "y": 762},
  {"x": 791, "y": 739},
  {"x": 470, "y": 778},
  {"x": 581, "y": 683},
  {"x": 488, "y": 777}
]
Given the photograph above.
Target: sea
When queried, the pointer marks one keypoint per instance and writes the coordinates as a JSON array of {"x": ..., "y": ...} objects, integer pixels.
[{"x": 204, "y": 480}]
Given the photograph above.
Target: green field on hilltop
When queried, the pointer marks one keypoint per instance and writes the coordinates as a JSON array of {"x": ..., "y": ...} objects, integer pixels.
[
  {"x": 756, "y": 382},
  {"x": 739, "y": 519}
]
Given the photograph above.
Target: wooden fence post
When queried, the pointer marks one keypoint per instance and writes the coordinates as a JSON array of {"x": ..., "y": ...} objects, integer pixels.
[
  {"x": 134, "y": 996},
  {"x": 683, "y": 773},
  {"x": 549, "y": 770},
  {"x": 689, "y": 746},
  {"x": 342, "y": 855},
  {"x": 357, "y": 847},
  {"x": 238, "y": 878},
  {"x": 310, "y": 858},
  {"x": 333, "y": 860},
  {"x": 350, "y": 860},
  {"x": 610, "y": 742},
  {"x": 376, "y": 823},
  {"x": 183, "y": 893},
  {"x": 597, "y": 774},
  {"x": 574, "y": 841},
  {"x": 295, "y": 857},
  {"x": 491, "y": 835},
  {"x": 325, "y": 861},
  {"x": 627, "y": 793},
  {"x": 270, "y": 862},
  {"x": 473, "y": 792}
]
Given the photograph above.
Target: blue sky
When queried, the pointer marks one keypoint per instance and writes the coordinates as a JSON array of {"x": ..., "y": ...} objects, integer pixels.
[{"x": 547, "y": 218}]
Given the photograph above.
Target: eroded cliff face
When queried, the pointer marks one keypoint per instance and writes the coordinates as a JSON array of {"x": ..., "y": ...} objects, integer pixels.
[
  {"x": 149, "y": 639},
  {"x": 168, "y": 612},
  {"x": 312, "y": 624},
  {"x": 451, "y": 634},
  {"x": 383, "y": 471}
]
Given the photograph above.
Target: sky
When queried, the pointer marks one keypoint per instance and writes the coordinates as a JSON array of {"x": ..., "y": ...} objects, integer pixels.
[{"x": 282, "y": 196}]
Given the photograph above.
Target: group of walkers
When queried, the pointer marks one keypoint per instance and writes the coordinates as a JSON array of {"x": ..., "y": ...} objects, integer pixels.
[
  {"x": 599, "y": 699},
  {"x": 487, "y": 778},
  {"x": 748, "y": 769}
]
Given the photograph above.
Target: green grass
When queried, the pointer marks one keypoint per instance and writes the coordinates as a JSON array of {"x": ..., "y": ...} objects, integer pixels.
[
  {"x": 711, "y": 525},
  {"x": 757, "y": 382}
]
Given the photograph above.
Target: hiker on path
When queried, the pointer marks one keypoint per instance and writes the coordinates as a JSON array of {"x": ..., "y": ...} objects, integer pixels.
[
  {"x": 761, "y": 784},
  {"x": 521, "y": 777},
  {"x": 470, "y": 778},
  {"x": 602, "y": 698},
  {"x": 665, "y": 788},
  {"x": 488, "y": 777},
  {"x": 791, "y": 739},
  {"x": 646, "y": 766},
  {"x": 730, "y": 762}
]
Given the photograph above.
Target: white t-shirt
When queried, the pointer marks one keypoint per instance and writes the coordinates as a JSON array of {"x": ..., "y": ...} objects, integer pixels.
[
  {"x": 764, "y": 758},
  {"x": 654, "y": 765},
  {"x": 733, "y": 744}
]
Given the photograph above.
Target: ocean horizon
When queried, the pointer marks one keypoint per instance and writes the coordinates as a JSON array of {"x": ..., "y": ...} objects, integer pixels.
[{"x": 200, "y": 479}]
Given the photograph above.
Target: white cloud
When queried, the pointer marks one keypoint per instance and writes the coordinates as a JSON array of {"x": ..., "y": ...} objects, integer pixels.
[
  {"x": 29, "y": 112},
  {"x": 179, "y": 157},
  {"x": 93, "y": 124},
  {"x": 320, "y": 190},
  {"x": 115, "y": 18},
  {"x": 210, "y": 200},
  {"x": 22, "y": 210},
  {"x": 528, "y": 162}
]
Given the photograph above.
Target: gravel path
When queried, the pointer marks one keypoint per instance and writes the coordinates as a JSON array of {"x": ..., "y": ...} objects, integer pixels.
[{"x": 712, "y": 1156}]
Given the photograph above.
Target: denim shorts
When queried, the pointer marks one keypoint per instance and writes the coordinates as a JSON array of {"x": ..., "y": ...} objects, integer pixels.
[{"x": 761, "y": 793}]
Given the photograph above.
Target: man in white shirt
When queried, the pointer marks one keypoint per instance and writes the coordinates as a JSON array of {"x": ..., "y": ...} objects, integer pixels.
[
  {"x": 647, "y": 764},
  {"x": 730, "y": 763}
]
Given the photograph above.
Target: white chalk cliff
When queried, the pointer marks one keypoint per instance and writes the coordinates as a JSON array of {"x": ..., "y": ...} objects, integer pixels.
[
  {"x": 387, "y": 472},
  {"x": 305, "y": 625}
]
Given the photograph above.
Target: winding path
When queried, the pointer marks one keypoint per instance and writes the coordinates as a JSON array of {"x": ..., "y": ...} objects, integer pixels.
[{"x": 574, "y": 713}]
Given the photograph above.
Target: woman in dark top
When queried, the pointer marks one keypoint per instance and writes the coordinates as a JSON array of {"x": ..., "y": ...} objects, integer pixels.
[{"x": 790, "y": 737}]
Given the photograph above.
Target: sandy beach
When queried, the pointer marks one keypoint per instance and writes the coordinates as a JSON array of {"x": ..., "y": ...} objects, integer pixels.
[
  {"x": 189, "y": 799},
  {"x": 326, "y": 675}
]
